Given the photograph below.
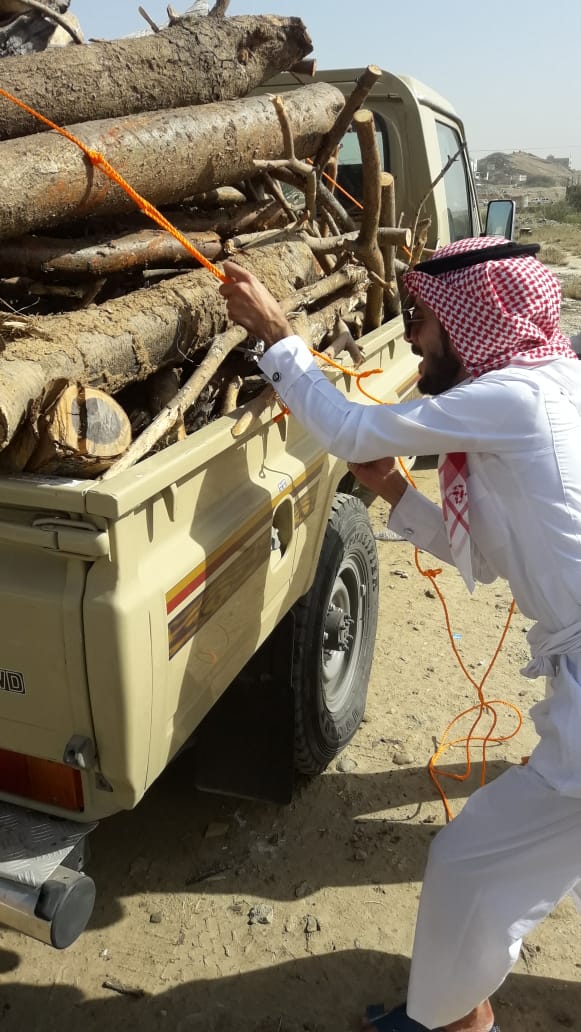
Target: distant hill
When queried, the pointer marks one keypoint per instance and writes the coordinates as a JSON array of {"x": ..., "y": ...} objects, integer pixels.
[{"x": 520, "y": 168}]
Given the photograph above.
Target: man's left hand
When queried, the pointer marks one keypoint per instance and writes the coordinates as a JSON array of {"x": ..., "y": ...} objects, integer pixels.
[{"x": 381, "y": 476}]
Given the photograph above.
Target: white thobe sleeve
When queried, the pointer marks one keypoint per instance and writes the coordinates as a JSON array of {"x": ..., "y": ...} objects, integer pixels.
[
  {"x": 470, "y": 417},
  {"x": 420, "y": 521}
]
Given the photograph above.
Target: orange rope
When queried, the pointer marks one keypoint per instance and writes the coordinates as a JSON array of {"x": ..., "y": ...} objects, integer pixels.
[
  {"x": 342, "y": 190},
  {"x": 100, "y": 162}
]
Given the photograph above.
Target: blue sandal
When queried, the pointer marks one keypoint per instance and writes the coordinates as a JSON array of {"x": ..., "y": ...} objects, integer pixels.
[{"x": 397, "y": 1020}]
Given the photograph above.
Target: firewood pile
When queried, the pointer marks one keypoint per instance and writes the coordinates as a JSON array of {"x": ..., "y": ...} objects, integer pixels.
[{"x": 114, "y": 340}]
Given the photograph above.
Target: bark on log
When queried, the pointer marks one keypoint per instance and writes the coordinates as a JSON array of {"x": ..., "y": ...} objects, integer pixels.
[
  {"x": 166, "y": 157},
  {"x": 127, "y": 339},
  {"x": 194, "y": 61}
]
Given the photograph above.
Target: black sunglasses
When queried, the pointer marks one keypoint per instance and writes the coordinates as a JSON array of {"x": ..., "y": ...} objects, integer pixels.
[{"x": 410, "y": 316}]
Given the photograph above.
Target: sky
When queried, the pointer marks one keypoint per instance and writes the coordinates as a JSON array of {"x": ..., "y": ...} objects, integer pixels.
[{"x": 510, "y": 68}]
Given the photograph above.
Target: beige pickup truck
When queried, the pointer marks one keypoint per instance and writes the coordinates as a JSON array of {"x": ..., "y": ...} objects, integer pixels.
[{"x": 222, "y": 592}]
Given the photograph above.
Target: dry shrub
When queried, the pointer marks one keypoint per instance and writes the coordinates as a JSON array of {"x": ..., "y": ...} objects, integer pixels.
[
  {"x": 552, "y": 255},
  {"x": 572, "y": 288},
  {"x": 565, "y": 235}
]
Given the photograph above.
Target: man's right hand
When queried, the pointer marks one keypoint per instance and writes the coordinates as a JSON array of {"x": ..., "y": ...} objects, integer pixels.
[
  {"x": 252, "y": 306},
  {"x": 381, "y": 476}
]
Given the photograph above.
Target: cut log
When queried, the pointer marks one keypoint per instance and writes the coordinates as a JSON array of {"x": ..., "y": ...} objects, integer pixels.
[
  {"x": 166, "y": 156},
  {"x": 194, "y": 61},
  {"x": 84, "y": 426},
  {"x": 126, "y": 339},
  {"x": 81, "y": 432}
]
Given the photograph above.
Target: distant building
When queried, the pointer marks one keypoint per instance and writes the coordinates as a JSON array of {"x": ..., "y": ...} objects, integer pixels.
[{"x": 565, "y": 162}]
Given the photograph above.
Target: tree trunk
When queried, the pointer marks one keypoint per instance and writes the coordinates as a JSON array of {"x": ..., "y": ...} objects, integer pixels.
[
  {"x": 127, "y": 339},
  {"x": 194, "y": 61},
  {"x": 165, "y": 156}
]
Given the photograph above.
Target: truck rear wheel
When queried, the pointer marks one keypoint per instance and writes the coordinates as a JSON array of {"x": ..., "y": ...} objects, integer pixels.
[{"x": 335, "y": 626}]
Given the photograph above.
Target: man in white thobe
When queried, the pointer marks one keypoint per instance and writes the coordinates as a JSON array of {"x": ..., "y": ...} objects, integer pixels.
[{"x": 504, "y": 411}]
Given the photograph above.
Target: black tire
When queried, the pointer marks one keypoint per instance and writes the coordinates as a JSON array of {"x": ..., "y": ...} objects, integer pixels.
[{"x": 331, "y": 672}]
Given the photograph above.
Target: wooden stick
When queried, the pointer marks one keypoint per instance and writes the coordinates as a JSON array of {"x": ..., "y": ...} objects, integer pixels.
[
  {"x": 348, "y": 242},
  {"x": 330, "y": 203},
  {"x": 186, "y": 396},
  {"x": 326, "y": 200},
  {"x": 342, "y": 340},
  {"x": 367, "y": 247},
  {"x": 231, "y": 393},
  {"x": 420, "y": 239},
  {"x": 253, "y": 410},
  {"x": 275, "y": 191},
  {"x": 308, "y": 66},
  {"x": 391, "y": 302},
  {"x": 310, "y": 175},
  {"x": 264, "y": 236},
  {"x": 352, "y": 104},
  {"x": 48, "y": 12},
  {"x": 149, "y": 20}
]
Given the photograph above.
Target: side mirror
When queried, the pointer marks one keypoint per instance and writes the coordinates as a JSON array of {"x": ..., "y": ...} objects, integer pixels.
[{"x": 500, "y": 219}]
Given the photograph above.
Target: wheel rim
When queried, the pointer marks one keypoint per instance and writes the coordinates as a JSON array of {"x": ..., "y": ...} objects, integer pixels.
[{"x": 339, "y": 664}]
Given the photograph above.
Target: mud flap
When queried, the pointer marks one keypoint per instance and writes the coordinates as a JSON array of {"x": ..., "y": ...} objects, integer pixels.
[{"x": 245, "y": 746}]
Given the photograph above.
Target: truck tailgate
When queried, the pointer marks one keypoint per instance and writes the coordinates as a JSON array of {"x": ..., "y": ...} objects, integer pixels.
[{"x": 44, "y": 699}]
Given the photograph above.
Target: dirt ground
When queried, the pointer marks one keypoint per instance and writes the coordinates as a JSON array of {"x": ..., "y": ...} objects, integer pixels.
[{"x": 335, "y": 876}]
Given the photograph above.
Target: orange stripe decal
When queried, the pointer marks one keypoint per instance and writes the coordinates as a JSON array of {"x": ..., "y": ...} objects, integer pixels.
[{"x": 214, "y": 580}]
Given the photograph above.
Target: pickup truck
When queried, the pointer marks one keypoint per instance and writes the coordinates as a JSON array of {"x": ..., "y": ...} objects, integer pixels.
[{"x": 224, "y": 591}]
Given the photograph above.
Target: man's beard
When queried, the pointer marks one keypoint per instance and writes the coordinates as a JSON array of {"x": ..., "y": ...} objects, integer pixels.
[{"x": 443, "y": 370}]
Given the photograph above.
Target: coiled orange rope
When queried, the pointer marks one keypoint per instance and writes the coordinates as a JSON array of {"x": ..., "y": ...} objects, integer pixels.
[{"x": 484, "y": 705}]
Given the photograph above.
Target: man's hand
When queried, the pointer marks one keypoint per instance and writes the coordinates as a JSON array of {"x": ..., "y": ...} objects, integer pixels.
[
  {"x": 382, "y": 477},
  {"x": 252, "y": 306}
]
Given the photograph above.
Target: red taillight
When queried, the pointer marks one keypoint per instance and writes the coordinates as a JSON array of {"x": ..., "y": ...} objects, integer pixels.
[{"x": 42, "y": 780}]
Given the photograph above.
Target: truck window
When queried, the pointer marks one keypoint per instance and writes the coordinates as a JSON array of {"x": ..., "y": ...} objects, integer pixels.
[
  {"x": 349, "y": 172},
  {"x": 455, "y": 183}
]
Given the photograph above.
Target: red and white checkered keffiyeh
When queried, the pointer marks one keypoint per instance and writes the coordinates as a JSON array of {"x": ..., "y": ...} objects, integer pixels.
[{"x": 495, "y": 313}]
